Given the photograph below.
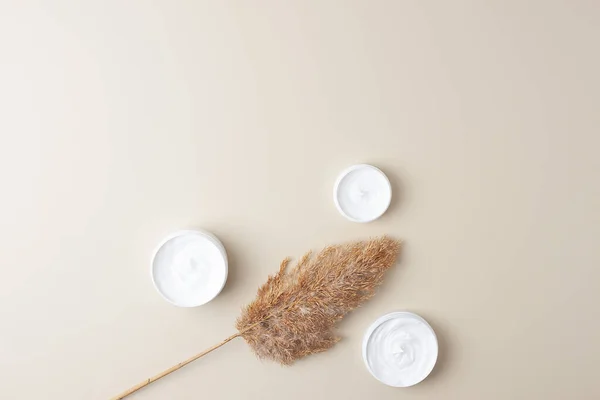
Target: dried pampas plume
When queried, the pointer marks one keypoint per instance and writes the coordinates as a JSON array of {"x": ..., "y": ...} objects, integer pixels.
[{"x": 295, "y": 311}]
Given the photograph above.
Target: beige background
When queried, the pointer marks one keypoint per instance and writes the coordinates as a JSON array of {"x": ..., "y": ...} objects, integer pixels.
[{"x": 122, "y": 121}]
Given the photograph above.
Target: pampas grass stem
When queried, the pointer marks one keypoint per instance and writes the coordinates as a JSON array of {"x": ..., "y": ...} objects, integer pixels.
[{"x": 295, "y": 311}]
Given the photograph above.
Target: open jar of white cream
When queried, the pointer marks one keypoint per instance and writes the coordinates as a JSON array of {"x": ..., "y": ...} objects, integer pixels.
[
  {"x": 189, "y": 268},
  {"x": 400, "y": 349}
]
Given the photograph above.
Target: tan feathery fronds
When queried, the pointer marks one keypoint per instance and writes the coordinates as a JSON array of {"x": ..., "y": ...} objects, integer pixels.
[{"x": 295, "y": 311}]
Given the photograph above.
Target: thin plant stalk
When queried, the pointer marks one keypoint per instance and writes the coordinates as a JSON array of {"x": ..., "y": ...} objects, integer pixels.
[{"x": 173, "y": 368}]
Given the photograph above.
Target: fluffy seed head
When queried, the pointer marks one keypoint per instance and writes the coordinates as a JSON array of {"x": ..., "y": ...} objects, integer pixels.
[{"x": 295, "y": 311}]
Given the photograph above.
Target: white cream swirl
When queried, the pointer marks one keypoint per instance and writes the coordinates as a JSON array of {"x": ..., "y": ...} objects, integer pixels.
[{"x": 400, "y": 349}]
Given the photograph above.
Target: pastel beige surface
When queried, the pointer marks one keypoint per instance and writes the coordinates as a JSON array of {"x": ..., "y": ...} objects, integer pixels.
[{"x": 123, "y": 121}]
